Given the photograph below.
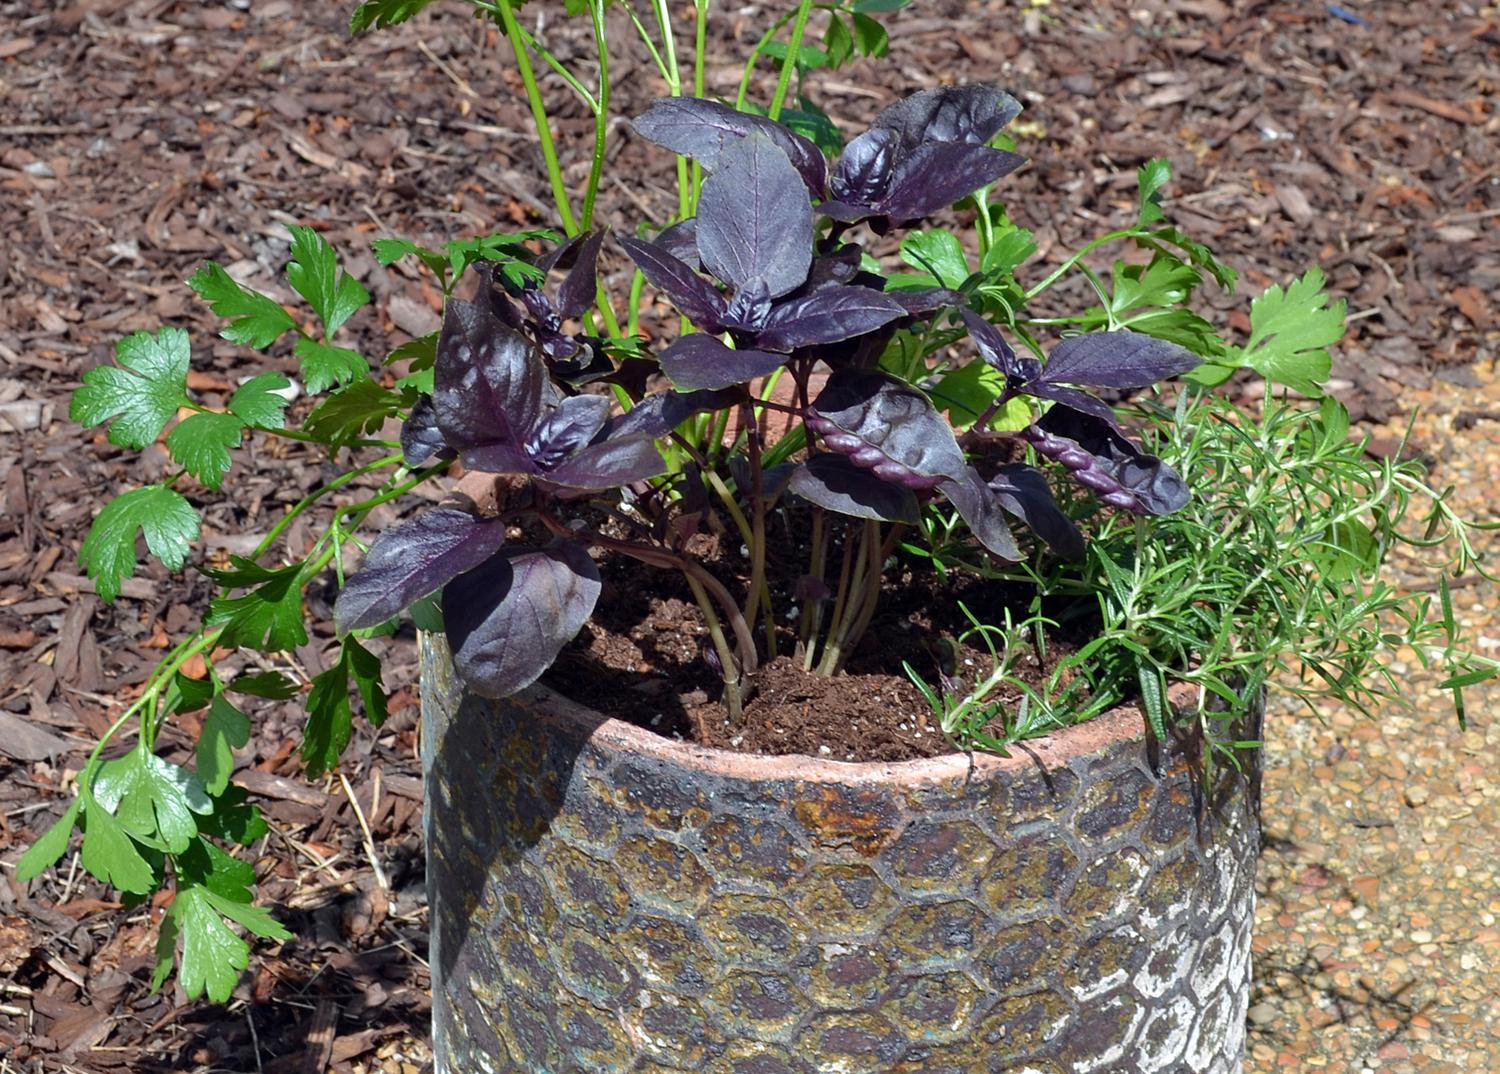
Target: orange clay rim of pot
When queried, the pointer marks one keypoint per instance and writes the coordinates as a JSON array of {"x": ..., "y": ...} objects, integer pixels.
[{"x": 1125, "y": 723}]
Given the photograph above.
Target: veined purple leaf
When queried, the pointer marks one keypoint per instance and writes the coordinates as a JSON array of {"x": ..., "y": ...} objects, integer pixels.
[
  {"x": 1117, "y": 360},
  {"x": 846, "y": 212},
  {"x": 927, "y": 300},
  {"x": 827, "y": 315},
  {"x": 841, "y": 266},
  {"x": 704, "y": 130},
  {"x": 836, "y": 483},
  {"x": 576, "y": 293},
  {"x": 689, "y": 292},
  {"x": 609, "y": 464},
  {"x": 489, "y": 384},
  {"x": 755, "y": 221},
  {"x": 935, "y": 175},
  {"x": 885, "y": 425},
  {"x": 575, "y": 422},
  {"x": 749, "y": 307},
  {"x": 992, "y": 346},
  {"x": 981, "y": 511},
  {"x": 681, "y": 241},
  {"x": 702, "y": 361},
  {"x": 555, "y": 256},
  {"x": 657, "y": 415},
  {"x": 1024, "y": 492},
  {"x": 412, "y": 560},
  {"x": 1099, "y": 457},
  {"x": 498, "y": 459},
  {"x": 509, "y": 618},
  {"x": 971, "y": 113},
  {"x": 421, "y": 439},
  {"x": 864, "y": 170},
  {"x": 1077, "y": 400}
]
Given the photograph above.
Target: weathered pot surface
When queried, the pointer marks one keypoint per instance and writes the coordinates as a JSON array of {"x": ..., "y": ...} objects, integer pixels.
[{"x": 605, "y": 899}]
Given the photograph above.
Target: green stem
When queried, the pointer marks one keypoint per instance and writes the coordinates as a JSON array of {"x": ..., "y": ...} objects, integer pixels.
[
  {"x": 309, "y": 438},
  {"x": 1061, "y": 270},
  {"x": 784, "y": 80},
  {"x": 743, "y": 93},
  {"x": 601, "y": 116},
  {"x": 316, "y": 495},
  {"x": 732, "y": 676},
  {"x": 517, "y": 38},
  {"x": 567, "y": 76}
]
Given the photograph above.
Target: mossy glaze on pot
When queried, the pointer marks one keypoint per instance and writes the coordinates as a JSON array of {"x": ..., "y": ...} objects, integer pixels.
[{"x": 606, "y": 900}]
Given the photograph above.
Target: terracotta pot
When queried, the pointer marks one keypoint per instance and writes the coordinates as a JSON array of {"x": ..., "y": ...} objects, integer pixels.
[{"x": 604, "y": 899}]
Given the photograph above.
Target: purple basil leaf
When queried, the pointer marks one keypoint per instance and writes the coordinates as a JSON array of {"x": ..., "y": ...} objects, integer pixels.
[
  {"x": 609, "y": 464},
  {"x": 541, "y": 312},
  {"x": 749, "y": 308},
  {"x": 681, "y": 241},
  {"x": 508, "y": 619},
  {"x": 576, "y": 293},
  {"x": 845, "y": 212},
  {"x": 887, "y": 426},
  {"x": 841, "y": 266},
  {"x": 498, "y": 459},
  {"x": 689, "y": 292},
  {"x": 755, "y": 221},
  {"x": 864, "y": 171},
  {"x": 490, "y": 385},
  {"x": 657, "y": 415},
  {"x": 834, "y": 312},
  {"x": 992, "y": 346},
  {"x": 935, "y": 175},
  {"x": 413, "y": 560},
  {"x": 560, "y": 253},
  {"x": 575, "y": 422},
  {"x": 1117, "y": 360},
  {"x": 773, "y": 479},
  {"x": 973, "y": 114},
  {"x": 981, "y": 511},
  {"x": 927, "y": 300},
  {"x": 835, "y": 483},
  {"x": 1024, "y": 492},
  {"x": 1075, "y": 399},
  {"x": 1099, "y": 457},
  {"x": 704, "y": 130},
  {"x": 421, "y": 439},
  {"x": 702, "y": 361}
]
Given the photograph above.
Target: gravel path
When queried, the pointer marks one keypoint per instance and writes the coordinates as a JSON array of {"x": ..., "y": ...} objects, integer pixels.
[{"x": 1377, "y": 939}]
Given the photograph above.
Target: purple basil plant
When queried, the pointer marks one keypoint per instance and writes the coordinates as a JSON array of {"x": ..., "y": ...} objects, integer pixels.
[{"x": 767, "y": 276}]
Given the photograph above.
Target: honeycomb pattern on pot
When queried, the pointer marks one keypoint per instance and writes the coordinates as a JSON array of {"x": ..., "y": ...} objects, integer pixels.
[{"x": 597, "y": 913}]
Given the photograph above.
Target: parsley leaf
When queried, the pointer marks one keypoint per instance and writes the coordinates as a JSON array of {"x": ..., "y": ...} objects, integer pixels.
[
  {"x": 1152, "y": 176},
  {"x": 108, "y": 553},
  {"x": 365, "y": 667},
  {"x": 224, "y": 728},
  {"x": 111, "y": 855},
  {"x": 355, "y": 411},
  {"x": 234, "y": 818},
  {"x": 213, "y": 954},
  {"x": 142, "y": 393},
  {"x": 330, "y": 719},
  {"x": 269, "y": 617},
  {"x": 51, "y": 846},
  {"x": 259, "y": 403},
  {"x": 383, "y": 13},
  {"x": 938, "y": 253},
  {"x": 315, "y": 274},
  {"x": 201, "y": 445},
  {"x": 254, "y": 320},
  {"x": 1290, "y": 332},
  {"x": 268, "y": 684},
  {"x": 152, "y": 799},
  {"x": 324, "y": 365}
]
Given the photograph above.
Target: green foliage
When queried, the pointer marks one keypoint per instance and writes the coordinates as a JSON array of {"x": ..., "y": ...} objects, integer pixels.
[
  {"x": 170, "y": 525},
  {"x": 269, "y": 616},
  {"x": 213, "y": 954},
  {"x": 225, "y": 729},
  {"x": 52, "y": 845},
  {"x": 1152, "y": 176},
  {"x": 939, "y": 254},
  {"x": 1290, "y": 333},
  {"x": 254, "y": 320},
  {"x": 378, "y": 14},
  {"x": 140, "y": 395},
  {"x": 201, "y": 445},
  {"x": 259, "y": 403},
  {"x": 509, "y": 254},
  {"x": 356, "y": 411},
  {"x": 314, "y": 273},
  {"x": 325, "y": 366},
  {"x": 152, "y": 799}
]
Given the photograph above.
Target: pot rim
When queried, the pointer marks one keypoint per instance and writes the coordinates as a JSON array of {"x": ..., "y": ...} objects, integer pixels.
[{"x": 1124, "y": 723}]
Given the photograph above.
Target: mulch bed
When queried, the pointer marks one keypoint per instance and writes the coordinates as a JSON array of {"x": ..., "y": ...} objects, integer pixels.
[{"x": 138, "y": 137}]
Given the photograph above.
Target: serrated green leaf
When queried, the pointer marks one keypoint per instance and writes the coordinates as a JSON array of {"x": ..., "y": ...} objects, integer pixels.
[
  {"x": 201, "y": 445},
  {"x": 168, "y": 521},
  {"x": 272, "y": 685},
  {"x": 142, "y": 393},
  {"x": 838, "y": 42},
  {"x": 166, "y": 951},
  {"x": 1290, "y": 332},
  {"x": 420, "y": 352},
  {"x": 967, "y": 392},
  {"x": 52, "y": 845},
  {"x": 356, "y": 411},
  {"x": 186, "y": 695},
  {"x": 364, "y": 667},
  {"x": 204, "y": 864},
  {"x": 427, "y": 613},
  {"x": 1164, "y": 282},
  {"x": 814, "y": 124},
  {"x": 1198, "y": 255},
  {"x": 234, "y": 819},
  {"x": 152, "y": 799},
  {"x": 254, "y": 319},
  {"x": 1152, "y": 176},
  {"x": 870, "y": 36},
  {"x": 315, "y": 275},
  {"x": 939, "y": 253},
  {"x": 110, "y": 855},
  {"x": 225, "y": 728},
  {"x": 268, "y": 618},
  {"x": 379, "y": 14},
  {"x": 213, "y": 954},
  {"x": 879, "y": 6},
  {"x": 324, "y": 365},
  {"x": 1008, "y": 251},
  {"x": 258, "y": 401},
  {"x": 330, "y": 720},
  {"x": 1177, "y": 326}
]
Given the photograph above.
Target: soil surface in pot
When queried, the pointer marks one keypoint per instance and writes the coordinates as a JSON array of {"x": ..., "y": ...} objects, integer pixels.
[{"x": 645, "y": 657}]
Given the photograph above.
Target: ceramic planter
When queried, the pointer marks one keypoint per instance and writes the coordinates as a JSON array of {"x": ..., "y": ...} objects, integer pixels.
[{"x": 606, "y": 900}]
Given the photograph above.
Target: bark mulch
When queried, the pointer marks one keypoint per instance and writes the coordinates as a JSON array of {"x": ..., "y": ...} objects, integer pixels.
[{"x": 138, "y": 137}]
